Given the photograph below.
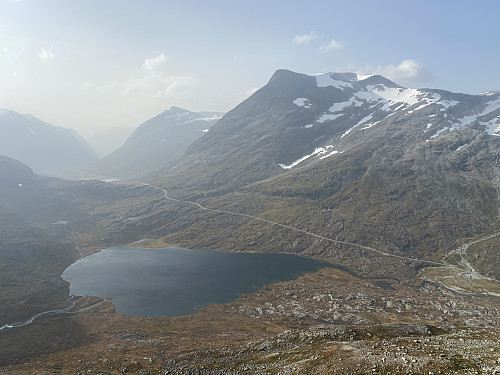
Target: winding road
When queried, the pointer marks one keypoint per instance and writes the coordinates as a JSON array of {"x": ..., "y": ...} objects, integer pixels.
[{"x": 201, "y": 207}]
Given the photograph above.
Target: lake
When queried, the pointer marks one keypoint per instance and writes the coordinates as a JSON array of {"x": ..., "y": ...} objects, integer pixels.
[{"x": 175, "y": 281}]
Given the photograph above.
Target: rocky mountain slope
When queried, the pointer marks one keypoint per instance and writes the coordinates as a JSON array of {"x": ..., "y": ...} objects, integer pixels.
[
  {"x": 43, "y": 147},
  {"x": 362, "y": 160},
  {"x": 14, "y": 173},
  {"x": 156, "y": 142},
  {"x": 296, "y": 119}
]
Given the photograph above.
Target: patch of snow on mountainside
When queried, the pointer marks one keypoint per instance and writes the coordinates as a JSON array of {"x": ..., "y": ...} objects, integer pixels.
[
  {"x": 360, "y": 122},
  {"x": 328, "y": 117},
  {"x": 213, "y": 118},
  {"x": 439, "y": 132},
  {"x": 337, "y": 107},
  {"x": 302, "y": 102},
  {"x": 308, "y": 126},
  {"x": 32, "y": 131},
  {"x": 492, "y": 125},
  {"x": 361, "y": 77},
  {"x": 447, "y": 104},
  {"x": 325, "y": 80},
  {"x": 317, "y": 151},
  {"x": 330, "y": 153},
  {"x": 390, "y": 96}
]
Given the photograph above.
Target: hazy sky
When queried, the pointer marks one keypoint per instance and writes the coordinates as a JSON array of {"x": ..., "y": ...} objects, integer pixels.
[{"x": 94, "y": 64}]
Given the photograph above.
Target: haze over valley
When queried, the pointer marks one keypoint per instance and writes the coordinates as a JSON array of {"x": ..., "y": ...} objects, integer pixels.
[{"x": 319, "y": 199}]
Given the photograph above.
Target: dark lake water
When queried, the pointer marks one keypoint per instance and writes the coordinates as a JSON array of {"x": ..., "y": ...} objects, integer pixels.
[{"x": 175, "y": 281}]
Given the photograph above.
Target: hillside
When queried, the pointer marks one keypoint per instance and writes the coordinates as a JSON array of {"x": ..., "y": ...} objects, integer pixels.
[
  {"x": 360, "y": 160},
  {"x": 156, "y": 142},
  {"x": 45, "y": 148}
]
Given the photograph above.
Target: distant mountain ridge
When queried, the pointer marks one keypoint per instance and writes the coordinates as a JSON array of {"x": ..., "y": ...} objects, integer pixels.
[
  {"x": 156, "y": 142},
  {"x": 43, "y": 147}
]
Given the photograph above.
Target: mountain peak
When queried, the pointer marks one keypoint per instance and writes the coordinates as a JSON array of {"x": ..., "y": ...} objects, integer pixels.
[{"x": 177, "y": 109}]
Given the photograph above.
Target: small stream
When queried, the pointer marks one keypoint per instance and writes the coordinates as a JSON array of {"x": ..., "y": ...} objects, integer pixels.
[{"x": 67, "y": 310}]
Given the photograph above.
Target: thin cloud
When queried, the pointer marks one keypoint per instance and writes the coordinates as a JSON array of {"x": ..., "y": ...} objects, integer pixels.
[
  {"x": 46, "y": 55},
  {"x": 86, "y": 86},
  {"x": 305, "y": 38},
  {"x": 159, "y": 85},
  {"x": 154, "y": 63},
  {"x": 410, "y": 71},
  {"x": 332, "y": 44}
]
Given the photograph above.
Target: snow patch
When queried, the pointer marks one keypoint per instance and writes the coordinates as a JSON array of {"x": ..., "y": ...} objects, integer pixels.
[
  {"x": 308, "y": 126},
  {"x": 361, "y": 77},
  {"x": 337, "y": 107},
  {"x": 391, "y": 96},
  {"x": 31, "y": 130},
  {"x": 60, "y": 222},
  {"x": 447, "y": 104},
  {"x": 302, "y": 102},
  {"x": 329, "y": 154},
  {"x": 328, "y": 117},
  {"x": 19, "y": 185},
  {"x": 213, "y": 118},
  {"x": 492, "y": 125},
  {"x": 439, "y": 132},
  {"x": 369, "y": 125},
  {"x": 317, "y": 151},
  {"x": 205, "y": 130},
  {"x": 461, "y": 147},
  {"x": 325, "y": 80},
  {"x": 360, "y": 122}
]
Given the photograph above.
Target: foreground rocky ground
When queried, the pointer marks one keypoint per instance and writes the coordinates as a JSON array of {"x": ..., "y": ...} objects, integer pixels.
[{"x": 329, "y": 322}]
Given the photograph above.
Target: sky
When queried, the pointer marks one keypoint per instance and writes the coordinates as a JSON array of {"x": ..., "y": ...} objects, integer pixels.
[{"x": 92, "y": 65}]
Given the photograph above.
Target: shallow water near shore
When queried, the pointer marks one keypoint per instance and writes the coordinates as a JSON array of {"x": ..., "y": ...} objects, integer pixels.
[{"x": 174, "y": 281}]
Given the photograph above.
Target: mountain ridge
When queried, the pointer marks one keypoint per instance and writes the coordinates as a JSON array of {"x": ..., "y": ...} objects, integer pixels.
[
  {"x": 155, "y": 142},
  {"x": 44, "y": 147}
]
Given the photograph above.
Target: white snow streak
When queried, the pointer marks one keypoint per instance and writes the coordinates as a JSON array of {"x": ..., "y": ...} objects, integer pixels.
[
  {"x": 302, "y": 102},
  {"x": 318, "y": 151}
]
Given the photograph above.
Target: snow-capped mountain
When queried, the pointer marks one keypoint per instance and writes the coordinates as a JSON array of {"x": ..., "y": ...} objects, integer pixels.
[
  {"x": 352, "y": 158},
  {"x": 43, "y": 147},
  {"x": 371, "y": 100},
  {"x": 157, "y": 141},
  {"x": 297, "y": 119}
]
